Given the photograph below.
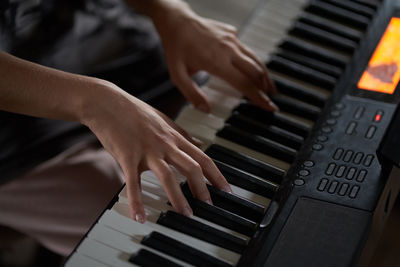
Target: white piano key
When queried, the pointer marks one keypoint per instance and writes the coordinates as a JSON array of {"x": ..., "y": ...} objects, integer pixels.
[
  {"x": 118, "y": 219},
  {"x": 152, "y": 203},
  {"x": 210, "y": 120},
  {"x": 123, "y": 242},
  {"x": 104, "y": 253},
  {"x": 263, "y": 201},
  {"x": 155, "y": 197},
  {"x": 223, "y": 87},
  {"x": 221, "y": 105},
  {"x": 79, "y": 260},
  {"x": 202, "y": 132}
]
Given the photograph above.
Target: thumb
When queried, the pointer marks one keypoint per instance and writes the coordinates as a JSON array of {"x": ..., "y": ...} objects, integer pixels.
[{"x": 189, "y": 88}]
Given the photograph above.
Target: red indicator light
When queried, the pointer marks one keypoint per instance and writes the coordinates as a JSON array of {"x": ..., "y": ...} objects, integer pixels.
[{"x": 378, "y": 117}]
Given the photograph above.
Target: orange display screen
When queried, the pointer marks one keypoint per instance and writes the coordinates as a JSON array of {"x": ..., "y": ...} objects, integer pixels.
[{"x": 383, "y": 71}]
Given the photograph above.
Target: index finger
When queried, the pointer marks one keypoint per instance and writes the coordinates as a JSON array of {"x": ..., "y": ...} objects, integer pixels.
[
  {"x": 245, "y": 50},
  {"x": 209, "y": 168}
]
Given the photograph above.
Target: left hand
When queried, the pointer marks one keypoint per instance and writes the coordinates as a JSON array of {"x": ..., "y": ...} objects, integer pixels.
[{"x": 192, "y": 43}]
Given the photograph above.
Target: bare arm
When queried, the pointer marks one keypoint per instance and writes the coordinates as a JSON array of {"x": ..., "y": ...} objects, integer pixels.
[{"x": 138, "y": 136}]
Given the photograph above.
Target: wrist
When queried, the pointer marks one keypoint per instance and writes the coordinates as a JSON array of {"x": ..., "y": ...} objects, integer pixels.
[
  {"x": 99, "y": 97},
  {"x": 167, "y": 14}
]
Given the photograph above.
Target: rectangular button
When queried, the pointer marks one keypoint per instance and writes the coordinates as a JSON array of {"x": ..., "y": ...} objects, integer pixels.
[
  {"x": 332, "y": 187},
  {"x": 340, "y": 171},
  {"x": 358, "y": 113},
  {"x": 370, "y": 132},
  {"x": 331, "y": 167},
  {"x": 361, "y": 175},
  {"x": 338, "y": 153},
  {"x": 347, "y": 157},
  {"x": 368, "y": 160},
  {"x": 343, "y": 189},
  {"x": 322, "y": 184},
  {"x": 350, "y": 174},
  {"x": 351, "y": 127},
  {"x": 358, "y": 157},
  {"x": 354, "y": 191}
]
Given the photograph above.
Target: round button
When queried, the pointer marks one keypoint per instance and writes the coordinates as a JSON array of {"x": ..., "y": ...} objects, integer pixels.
[
  {"x": 304, "y": 172},
  {"x": 339, "y": 106},
  {"x": 331, "y": 121},
  {"x": 326, "y": 129},
  {"x": 299, "y": 182},
  {"x": 308, "y": 163},
  {"x": 335, "y": 113},
  {"x": 322, "y": 138},
  {"x": 317, "y": 147}
]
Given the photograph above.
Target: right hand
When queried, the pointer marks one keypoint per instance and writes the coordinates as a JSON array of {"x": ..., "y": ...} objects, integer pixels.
[{"x": 140, "y": 139}]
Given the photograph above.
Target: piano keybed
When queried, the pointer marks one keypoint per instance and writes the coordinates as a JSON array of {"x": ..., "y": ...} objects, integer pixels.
[{"x": 306, "y": 46}]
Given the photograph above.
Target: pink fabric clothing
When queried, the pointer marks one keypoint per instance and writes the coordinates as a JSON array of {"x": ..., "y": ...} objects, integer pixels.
[{"x": 60, "y": 199}]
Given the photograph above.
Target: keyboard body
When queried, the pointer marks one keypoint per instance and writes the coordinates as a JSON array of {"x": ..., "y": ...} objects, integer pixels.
[{"x": 331, "y": 189}]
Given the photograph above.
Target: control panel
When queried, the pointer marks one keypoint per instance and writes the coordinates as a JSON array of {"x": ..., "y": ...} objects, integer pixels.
[{"x": 342, "y": 164}]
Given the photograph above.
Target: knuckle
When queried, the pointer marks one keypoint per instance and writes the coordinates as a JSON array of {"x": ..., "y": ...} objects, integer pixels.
[
  {"x": 194, "y": 167},
  {"x": 167, "y": 174},
  {"x": 232, "y": 29},
  {"x": 204, "y": 160},
  {"x": 230, "y": 37}
]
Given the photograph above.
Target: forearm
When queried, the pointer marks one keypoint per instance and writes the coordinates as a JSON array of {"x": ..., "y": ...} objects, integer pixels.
[{"x": 35, "y": 90}]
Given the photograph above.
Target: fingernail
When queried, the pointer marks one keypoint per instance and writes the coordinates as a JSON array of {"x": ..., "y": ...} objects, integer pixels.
[
  {"x": 197, "y": 141},
  {"x": 208, "y": 201},
  {"x": 139, "y": 218},
  {"x": 227, "y": 189},
  {"x": 187, "y": 211},
  {"x": 275, "y": 107},
  {"x": 203, "y": 107}
]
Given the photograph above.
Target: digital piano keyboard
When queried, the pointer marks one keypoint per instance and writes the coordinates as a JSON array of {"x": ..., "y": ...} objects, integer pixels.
[{"x": 313, "y": 183}]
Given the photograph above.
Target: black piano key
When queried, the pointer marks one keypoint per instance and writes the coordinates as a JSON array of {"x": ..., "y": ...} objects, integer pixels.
[
  {"x": 299, "y": 92},
  {"x": 324, "y": 37},
  {"x": 201, "y": 231},
  {"x": 301, "y": 72},
  {"x": 246, "y": 181},
  {"x": 353, "y": 6},
  {"x": 177, "y": 249},
  {"x": 373, "y": 4},
  {"x": 310, "y": 62},
  {"x": 331, "y": 26},
  {"x": 257, "y": 143},
  {"x": 221, "y": 217},
  {"x": 338, "y": 14},
  {"x": 246, "y": 163},
  {"x": 296, "y": 107},
  {"x": 146, "y": 258},
  {"x": 232, "y": 203},
  {"x": 262, "y": 116},
  {"x": 265, "y": 130},
  {"x": 313, "y": 51}
]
